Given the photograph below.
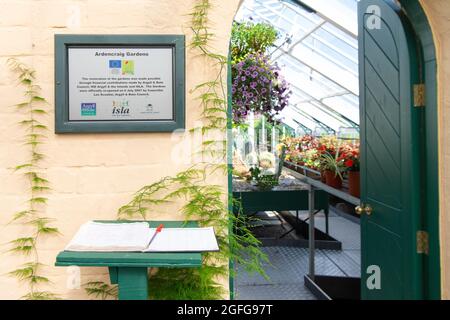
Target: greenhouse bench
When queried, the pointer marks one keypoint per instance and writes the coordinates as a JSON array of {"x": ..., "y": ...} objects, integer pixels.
[
  {"x": 129, "y": 270},
  {"x": 249, "y": 202}
]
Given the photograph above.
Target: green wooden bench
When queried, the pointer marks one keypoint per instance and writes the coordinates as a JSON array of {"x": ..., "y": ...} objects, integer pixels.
[{"x": 129, "y": 270}]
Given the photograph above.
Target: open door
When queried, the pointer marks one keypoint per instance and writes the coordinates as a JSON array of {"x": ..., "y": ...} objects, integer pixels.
[{"x": 391, "y": 191}]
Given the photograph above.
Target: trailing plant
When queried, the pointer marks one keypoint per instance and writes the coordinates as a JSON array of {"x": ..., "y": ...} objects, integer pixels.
[
  {"x": 249, "y": 37},
  {"x": 200, "y": 200},
  {"x": 33, "y": 108},
  {"x": 258, "y": 87}
]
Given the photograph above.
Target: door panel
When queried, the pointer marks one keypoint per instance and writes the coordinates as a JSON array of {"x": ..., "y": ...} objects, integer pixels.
[
  {"x": 389, "y": 153},
  {"x": 386, "y": 102},
  {"x": 382, "y": 65},
  {"x": 389, "y": 43}
]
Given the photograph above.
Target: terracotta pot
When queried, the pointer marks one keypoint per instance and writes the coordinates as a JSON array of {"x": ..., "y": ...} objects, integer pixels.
[
  {"x": 333, "y": 180},
  {"x": 323, "y": 179},
  {"x": 300, "y": 170},
  {"x": 353, "y": 183}
]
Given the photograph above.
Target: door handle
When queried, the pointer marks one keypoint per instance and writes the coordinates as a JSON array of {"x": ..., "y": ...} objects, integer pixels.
[{"x": 367, "y": 209}]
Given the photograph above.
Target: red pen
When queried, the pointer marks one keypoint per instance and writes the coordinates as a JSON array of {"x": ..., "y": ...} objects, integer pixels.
[{"x": 158, "y": 230}]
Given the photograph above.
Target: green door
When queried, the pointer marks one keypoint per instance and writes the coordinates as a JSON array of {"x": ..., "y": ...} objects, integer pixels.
[{"x": 390, "y": 151}]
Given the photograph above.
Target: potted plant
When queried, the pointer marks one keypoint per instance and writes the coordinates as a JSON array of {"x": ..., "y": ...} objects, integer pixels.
[
  {"x": 352, "y": 166},
  {"x": 333, "y": 167},
  {"x": 326, "y": 145},
  {"x": 262, "y": 172},
  {"x": 312, "y": 161}
]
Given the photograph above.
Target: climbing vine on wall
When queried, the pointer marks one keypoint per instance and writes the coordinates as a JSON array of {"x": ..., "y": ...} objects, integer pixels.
[
  {"x": 200, "y": 200},
  {"x": 32, "y": 216}
]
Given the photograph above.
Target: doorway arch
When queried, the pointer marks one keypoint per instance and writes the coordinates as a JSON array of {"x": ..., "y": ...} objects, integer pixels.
[{"x": 422, "y": 29}]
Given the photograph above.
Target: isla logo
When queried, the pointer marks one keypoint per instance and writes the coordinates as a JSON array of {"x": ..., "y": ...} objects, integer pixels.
[
  {"x": 88, "y": 109},
  {"x": 120, "y": 108}
]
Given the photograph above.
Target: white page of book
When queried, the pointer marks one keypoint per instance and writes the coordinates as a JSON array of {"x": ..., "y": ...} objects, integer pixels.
[
  {"x": 97, "y": 236},
  {"x": 183, "y": 240}
]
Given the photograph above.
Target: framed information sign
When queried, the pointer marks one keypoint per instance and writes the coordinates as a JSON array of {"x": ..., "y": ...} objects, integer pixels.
[{"x": 119, "y": 83}]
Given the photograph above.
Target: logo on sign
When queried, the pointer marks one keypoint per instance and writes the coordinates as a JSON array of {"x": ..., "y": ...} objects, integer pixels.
[
  {"x": 120, "y": 108},
  {"x": 128, "y": 67},
  {"x": 88, "y": 109},
  {"x": 115, "y": 67},
  {"x": 124, "y": 67}
]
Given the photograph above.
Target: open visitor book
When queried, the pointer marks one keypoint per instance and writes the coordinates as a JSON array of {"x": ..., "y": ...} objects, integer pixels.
[{"x": 138, "y": 236}]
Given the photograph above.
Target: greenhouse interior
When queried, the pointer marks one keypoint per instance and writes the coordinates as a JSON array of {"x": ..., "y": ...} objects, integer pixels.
[
  {"x": 309, "y": 129},
  {"x": 239, "y": 150}
]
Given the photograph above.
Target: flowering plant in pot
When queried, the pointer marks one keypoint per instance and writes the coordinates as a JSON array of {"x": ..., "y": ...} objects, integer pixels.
[
  {"x": 289, "y": 144},
  {"x": 350, "y": 156},
  {"x": 308, "y": 142},
  {"x": 292, "y": 154},
  {"x": 312, "y": 160}
]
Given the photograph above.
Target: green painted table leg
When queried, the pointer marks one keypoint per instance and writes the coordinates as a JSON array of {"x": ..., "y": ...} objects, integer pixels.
[
  {"x": 113, "y": 275},
  {"x": 133, "y": 283}
]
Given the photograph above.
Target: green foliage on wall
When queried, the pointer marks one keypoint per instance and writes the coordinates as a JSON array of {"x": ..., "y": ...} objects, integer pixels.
[
  {"x": 38, "y": 226},
  {"x": 249, "y": 37},
  {"x": 200, "y": 200},
  {"x": 99, "y": 289}
]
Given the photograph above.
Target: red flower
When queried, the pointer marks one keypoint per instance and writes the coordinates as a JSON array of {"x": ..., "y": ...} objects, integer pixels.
[{"x": 349, "y": 163}]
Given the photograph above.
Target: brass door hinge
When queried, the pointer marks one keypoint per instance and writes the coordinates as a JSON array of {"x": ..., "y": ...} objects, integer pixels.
[
  {"x": 422, "y": 242},
  {"x": 419, "y": 95}
]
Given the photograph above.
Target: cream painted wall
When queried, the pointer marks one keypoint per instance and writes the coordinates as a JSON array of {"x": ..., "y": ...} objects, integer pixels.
[
  {"x": 91, "y": 175},
  {"x": 438, "y": 13}
]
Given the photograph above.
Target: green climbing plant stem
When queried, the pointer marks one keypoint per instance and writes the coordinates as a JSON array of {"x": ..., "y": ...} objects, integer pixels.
[
  {"x": 33, "y": 109},
  {"x": 200, "y": 200}
]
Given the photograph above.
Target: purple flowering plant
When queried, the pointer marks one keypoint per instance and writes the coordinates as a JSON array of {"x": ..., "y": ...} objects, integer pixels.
[{"x": 258, "y": 86}]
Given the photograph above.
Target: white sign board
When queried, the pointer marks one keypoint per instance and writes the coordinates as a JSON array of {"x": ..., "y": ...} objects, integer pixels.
[{"x": 125, "y": 83}]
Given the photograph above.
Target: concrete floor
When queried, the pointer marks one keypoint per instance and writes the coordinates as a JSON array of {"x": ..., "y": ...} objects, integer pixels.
[{"x": 288, "y": 265}]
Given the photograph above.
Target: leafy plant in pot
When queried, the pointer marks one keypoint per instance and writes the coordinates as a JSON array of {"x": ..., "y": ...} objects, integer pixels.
[
  {"x": 263, "y": 173},
  {"x": 326, "y": 145}
]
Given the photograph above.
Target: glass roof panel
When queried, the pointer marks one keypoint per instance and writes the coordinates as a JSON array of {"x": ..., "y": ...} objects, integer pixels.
[
  {"x": 321, "y": 115},
  {"x": 295, "y": 118},
  {"x": 341, "y": 12},
  {"x": 342, "y": 104}
]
